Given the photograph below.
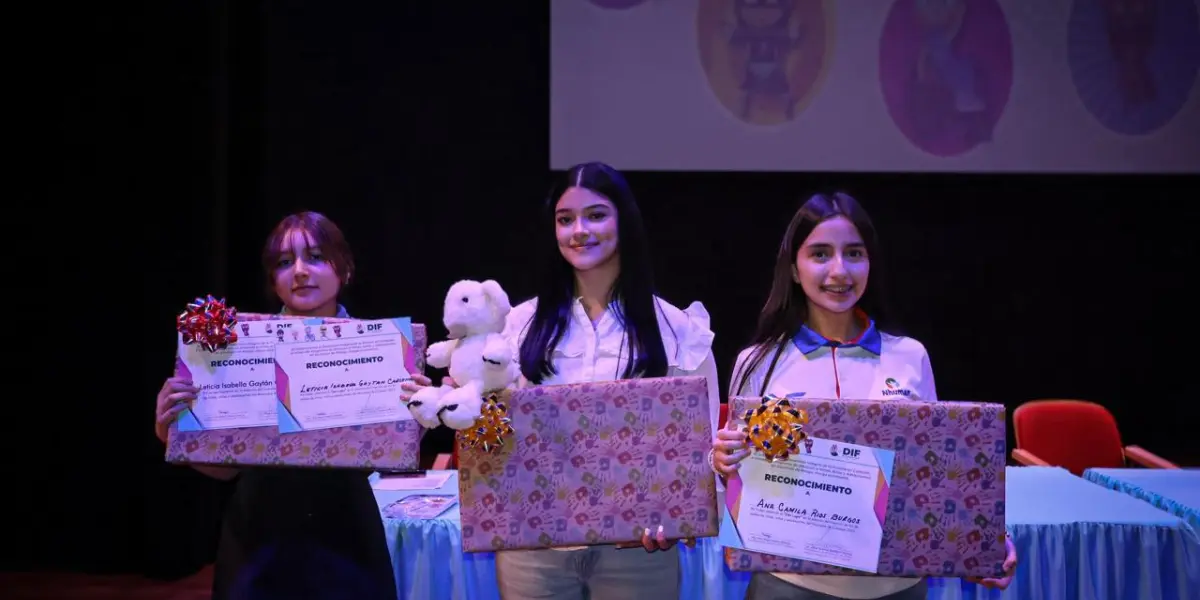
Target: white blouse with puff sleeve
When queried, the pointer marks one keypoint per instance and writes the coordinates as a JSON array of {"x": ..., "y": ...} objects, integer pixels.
[{"x": 589, "y": 353}]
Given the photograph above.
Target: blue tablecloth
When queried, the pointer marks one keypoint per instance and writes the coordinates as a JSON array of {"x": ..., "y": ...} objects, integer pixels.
[
  {"x": 1076, "y": 540},
  {"x": 1176, "y": 491}
]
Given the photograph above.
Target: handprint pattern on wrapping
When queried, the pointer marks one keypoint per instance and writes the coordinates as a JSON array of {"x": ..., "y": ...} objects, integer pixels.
[
  {"x": 943, "y": 514},
  {"x": 593, "y": 463}
]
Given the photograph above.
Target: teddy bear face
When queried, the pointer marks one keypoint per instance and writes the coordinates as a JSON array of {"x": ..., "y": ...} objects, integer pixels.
[{"x": 473, "y": 307}]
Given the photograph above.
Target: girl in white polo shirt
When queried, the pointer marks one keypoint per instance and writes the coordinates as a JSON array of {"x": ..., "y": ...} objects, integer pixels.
[{"x": 817, "y": 335}]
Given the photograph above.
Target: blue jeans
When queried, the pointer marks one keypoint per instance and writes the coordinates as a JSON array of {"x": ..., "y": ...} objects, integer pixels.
[
  {"x": 595, "y": 573},
  {"x": 764, "y": 586}
]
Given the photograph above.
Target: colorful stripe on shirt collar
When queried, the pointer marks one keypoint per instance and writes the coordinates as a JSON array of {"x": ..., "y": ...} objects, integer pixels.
[
  {"x": 341, "y": 312},
  {"x": 809, "y": 341}
]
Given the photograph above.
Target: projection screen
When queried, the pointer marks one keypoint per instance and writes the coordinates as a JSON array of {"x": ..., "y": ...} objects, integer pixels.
[{"x": 1082, "y": 86}]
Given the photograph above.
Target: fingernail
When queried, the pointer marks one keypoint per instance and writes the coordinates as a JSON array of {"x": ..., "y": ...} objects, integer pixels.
[{"x": 660, "y": 529}]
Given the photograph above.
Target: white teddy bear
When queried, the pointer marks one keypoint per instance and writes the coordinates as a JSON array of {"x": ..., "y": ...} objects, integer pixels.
[{"x": 480, "y": 359}]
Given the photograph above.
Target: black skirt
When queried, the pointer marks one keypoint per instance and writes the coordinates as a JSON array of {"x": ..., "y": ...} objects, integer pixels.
[{"x": 295, "y": 534}]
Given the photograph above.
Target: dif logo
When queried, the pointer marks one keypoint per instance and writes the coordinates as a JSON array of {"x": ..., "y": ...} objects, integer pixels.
[
  {"x": 374, "y": 326},
  {"x": 851, "y": 452}
]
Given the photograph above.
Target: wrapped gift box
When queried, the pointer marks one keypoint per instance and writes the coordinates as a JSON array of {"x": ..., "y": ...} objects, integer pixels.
[
  {"x": 592, "y": 464},
  {"x": 388, "y": 446},
  {"x": 945, "y": 515}
]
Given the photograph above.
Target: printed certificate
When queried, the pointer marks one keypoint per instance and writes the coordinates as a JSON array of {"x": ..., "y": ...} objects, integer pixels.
[
  {"x": 825, "y": 504},
  {"x": 339, "y": 374},
  {"x": 237, "y": 384}
]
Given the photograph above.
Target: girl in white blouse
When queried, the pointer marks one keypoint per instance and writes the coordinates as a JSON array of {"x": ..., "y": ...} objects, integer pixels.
[
  {"x": 596, "y": 318},
  {"x": 817, "y": 335}
]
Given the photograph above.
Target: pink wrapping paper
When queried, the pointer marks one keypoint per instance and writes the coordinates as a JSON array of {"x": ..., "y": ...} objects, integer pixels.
[
  {"x": 389, "y": 446},
  {"x": 593, "y": 464},
  {"x": 946, "y": 503}
]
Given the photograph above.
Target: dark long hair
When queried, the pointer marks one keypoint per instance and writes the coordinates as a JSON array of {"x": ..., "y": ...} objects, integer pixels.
[
  {"x": 632, "y": 293},
  {"x": 786, "y": 308}
]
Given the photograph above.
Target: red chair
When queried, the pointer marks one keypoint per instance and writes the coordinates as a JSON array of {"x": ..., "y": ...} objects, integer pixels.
[
  {"x": 446, "y": 462},
  {"x": 1076, "y": 435}
]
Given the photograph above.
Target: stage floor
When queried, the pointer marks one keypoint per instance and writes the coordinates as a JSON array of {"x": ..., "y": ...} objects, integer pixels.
[{"x": 60, "y": 586}]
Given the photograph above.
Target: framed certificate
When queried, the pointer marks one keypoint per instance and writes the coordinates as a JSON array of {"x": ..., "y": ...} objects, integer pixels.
[
  {"x": 943, "y": 511},
  {"x": 237, "y": 383},
  {"x": 341, "y": 374},
  {"x": 827, "y": 503},
  {"x": 391, "y": 445}
]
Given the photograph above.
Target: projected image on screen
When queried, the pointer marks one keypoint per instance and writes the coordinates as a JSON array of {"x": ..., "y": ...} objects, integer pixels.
[
  {"x": 1032, "y": 86},
  {"x": 617, "y": 4},
  {"x": 1134, "y": 62},
  {"x": 945, "y": 67},
  {"x": 764, "y": 59}
]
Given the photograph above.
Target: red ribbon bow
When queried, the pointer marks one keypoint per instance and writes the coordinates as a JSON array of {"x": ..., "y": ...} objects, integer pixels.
[{"x": 208, "y": 322}]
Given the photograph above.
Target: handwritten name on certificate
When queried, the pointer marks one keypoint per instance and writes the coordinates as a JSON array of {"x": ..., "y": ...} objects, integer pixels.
[
  {"x": 237, "y": 383},
  {"x": 825, "y": 504},
  {"x": 342, "y": 374}
]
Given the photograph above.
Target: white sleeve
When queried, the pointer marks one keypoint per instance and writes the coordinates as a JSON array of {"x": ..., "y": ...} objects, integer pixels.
[
  {"x": 708, "y": 370},
  {"x": 927, "y": 390},
  {"x": 515, "y": 327}
]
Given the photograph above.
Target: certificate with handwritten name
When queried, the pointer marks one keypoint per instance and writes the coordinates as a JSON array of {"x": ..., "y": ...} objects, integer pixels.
[
  {"x": 237, "y": 383},
  {"x": 339, "y": 374},
  {"x": 824, "y": 504}
]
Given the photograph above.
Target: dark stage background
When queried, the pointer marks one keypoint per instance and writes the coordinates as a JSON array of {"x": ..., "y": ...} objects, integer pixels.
[{"x": 422, "y": 129}]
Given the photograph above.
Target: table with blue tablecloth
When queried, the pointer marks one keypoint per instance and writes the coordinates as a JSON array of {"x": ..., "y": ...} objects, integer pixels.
[
  {"x": 1176, "y": 491},
  {"x": 1075, "y": 539}
]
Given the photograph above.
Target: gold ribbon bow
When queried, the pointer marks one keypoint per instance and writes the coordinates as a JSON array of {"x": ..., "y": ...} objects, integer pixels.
[
  {"x": 492, "y": 428},
  {"x": 775, "y": 428}
]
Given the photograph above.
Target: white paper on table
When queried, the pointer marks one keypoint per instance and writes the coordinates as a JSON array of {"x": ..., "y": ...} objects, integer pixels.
[{"x": 430, "y": 481}]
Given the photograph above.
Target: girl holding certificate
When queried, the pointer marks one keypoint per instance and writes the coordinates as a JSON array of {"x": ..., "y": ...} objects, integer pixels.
[
  {"x": 295, "y": 533},
  {"x": 596, "y": 318},
  {"x": 820, "y": 299}
]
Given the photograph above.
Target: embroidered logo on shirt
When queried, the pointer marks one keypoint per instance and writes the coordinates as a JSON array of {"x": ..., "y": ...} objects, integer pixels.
[{"x": 894, "y": 389}]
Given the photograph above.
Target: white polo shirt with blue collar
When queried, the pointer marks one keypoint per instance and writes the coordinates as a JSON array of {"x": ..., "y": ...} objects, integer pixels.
[{"x": 874, "y": 366}]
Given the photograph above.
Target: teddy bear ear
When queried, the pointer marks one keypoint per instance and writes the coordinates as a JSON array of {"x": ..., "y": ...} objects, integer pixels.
[{"x": 496, "y": 293}]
